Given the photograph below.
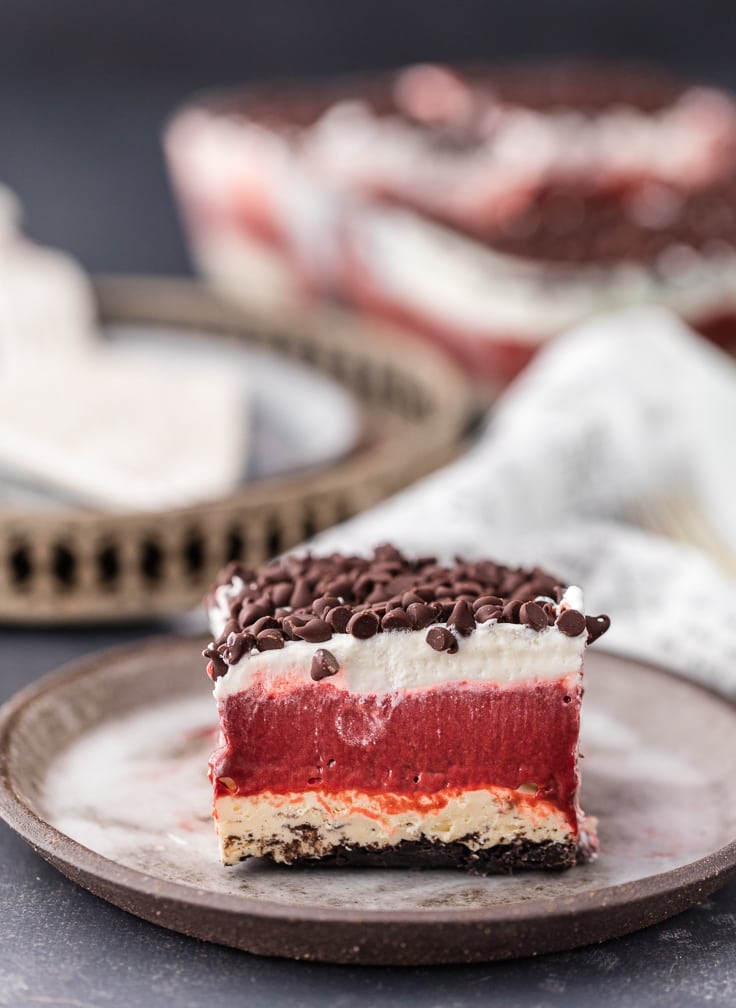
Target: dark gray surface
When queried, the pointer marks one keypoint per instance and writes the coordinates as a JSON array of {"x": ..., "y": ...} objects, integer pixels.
[{"x": 59, "y": 945}]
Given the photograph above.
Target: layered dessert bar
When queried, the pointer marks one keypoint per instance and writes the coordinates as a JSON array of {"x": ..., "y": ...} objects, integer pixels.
[
  {"x": 398, "y": 711},
  {"x": 487, "y": 209}
]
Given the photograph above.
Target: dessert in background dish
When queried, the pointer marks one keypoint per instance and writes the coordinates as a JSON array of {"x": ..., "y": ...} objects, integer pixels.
[
  {"x": 100, "y": 423},
  {"x": 398, "y": 711},
  {"x": 488, "y": 209}
]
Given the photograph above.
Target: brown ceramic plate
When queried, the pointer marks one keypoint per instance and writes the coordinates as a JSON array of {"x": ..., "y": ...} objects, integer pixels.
[{"x": 102, "y": 770}]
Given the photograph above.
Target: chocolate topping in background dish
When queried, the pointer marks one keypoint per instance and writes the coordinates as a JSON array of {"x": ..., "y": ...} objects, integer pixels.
[
  {"x": 577, "y": 213},
  {"x": 339, "y": 594}
]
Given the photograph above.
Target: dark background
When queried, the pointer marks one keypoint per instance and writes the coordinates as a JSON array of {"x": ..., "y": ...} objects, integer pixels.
[{"x": 85, "y": 85}]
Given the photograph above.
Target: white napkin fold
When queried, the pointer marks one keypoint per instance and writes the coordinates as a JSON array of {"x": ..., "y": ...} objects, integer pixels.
[{"x": 625, "y": 409}]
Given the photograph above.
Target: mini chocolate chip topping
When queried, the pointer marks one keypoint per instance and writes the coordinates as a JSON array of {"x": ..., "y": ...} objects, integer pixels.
[
  {"x": 364, "y": 625},
  {"x": 302, "y": 594},
  {"x": 396, "y": 619},
  {"x": 339, "y": 617},
  {"x": 324, "y": 664},
  {"x": 270, "y": 640},
  {"x": 487, "y": 600},
  {"x": 488, "y": 612},
  {"x": 314, "y": 632},
  {"x": 217, "y": 666},
  {"x": 310, "y": 598},
  {"x": 532, "y": 615},
  {"x": 442, "y": 639},
  {"x": 596, "y": 626},
  {"x": 462, "y": 618},
  {"x": 265, "y": 623},
  {"x": 571, "y": 623},
  {"x": 281, "y": 593},
  {"x": 422, "y": 615}
]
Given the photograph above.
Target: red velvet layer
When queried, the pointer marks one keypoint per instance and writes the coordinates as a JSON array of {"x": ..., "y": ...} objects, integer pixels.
[{"x": 317, "y": 737}]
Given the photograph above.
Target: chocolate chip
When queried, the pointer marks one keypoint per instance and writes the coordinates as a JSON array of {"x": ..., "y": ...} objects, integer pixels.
[
  {"x": 217, "y": 666},
  {"x": 550, "y": 612},
  {"x": 291, "y": 623},
  {"x": 324, "y": 602},
  {"x": 281, "y": 593},
  {"x": 462, "y": 618},
  {"x": 426, "y": 592},
  {"x": 509, "y": 582},
  {"x": 410, "y": 597},
  {"x": 445, "y": 606},
  {"x": 396, "y": 619},
  {"x": 232, "y": 626},
  {"x": 270, "y": 640},
  {"x": 302, "y": 594},
  {"x": 379, "y": 594},
  {"x": 442, "y": 639},
  {"x": 468, "y": 588},
  {"x": 237, "y": 646},
  {"x": 571, "y": 622},
  {"x": 363, "y": 625},
  {"x": 421, "y": 614},
  {"x": 364, "y": 586},
  {"x": 487, "y": 600},
  {"x": 532, "y": 615},
  {"x": 402, "y": 583},
  {"x": 315, "y": 631},
  {"x": 253, "y": 611},
  {"x": 324, "y": 664},
  {"x": 389, "y": 567},
  {"x": 271, "y": 574},
  {"x": 596, "y": 626},
  {"x": 386, "y": 552},
  {"x": 342, "y": 587},
  {"x": 338, "y": 618},
  {"x": 488, "y": 612},
  {"x": 485, "y": 571},
  {"x": 511, "y": 611},
  {"x": 264, "y": 623}
]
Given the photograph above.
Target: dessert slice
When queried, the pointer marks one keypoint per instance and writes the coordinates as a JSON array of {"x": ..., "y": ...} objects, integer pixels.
[
  {"x": 487, "y": 209},
  {"x": 399, "y": 711}
]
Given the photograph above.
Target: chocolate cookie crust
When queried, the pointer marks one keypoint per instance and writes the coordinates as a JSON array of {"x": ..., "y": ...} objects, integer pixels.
[{"x": 501, "y": 859}]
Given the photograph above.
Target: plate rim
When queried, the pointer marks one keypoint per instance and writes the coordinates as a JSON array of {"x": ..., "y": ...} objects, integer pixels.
[{"x": 691, "y": 882}]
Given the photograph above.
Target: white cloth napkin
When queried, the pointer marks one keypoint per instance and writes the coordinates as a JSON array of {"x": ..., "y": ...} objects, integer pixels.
[{"x": 625, "y": 409}]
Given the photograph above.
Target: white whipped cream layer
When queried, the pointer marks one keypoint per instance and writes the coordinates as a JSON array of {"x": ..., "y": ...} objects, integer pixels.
[
  {"x": 397, "y": 660},
  {"x": 273, "y": 824}
]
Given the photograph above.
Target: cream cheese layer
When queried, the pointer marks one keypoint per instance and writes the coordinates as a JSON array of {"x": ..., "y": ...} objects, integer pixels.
[{"x": 312, "y": 824}]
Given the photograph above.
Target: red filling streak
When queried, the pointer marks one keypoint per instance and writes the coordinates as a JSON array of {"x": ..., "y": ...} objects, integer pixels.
[{"x": 316, "y": 737}]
